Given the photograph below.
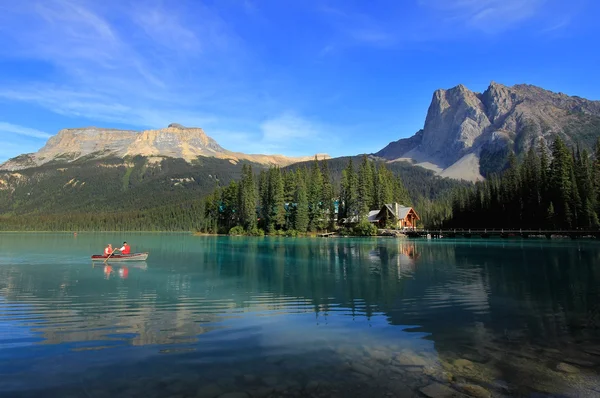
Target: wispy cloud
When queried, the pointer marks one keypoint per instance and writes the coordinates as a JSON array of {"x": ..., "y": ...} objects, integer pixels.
[
  {"x": 352, "y": 28},
  {"x": 8, "y": 130},
  {"x": 139, "y": 64},
  {"x": 287, "y": 132},
  {"x": 490, "y": 16}
]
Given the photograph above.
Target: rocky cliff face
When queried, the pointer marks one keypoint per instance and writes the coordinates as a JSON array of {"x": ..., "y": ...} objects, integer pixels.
[
  {"x": 463, "y": 129},
  {"x": 175, "y": 141}
]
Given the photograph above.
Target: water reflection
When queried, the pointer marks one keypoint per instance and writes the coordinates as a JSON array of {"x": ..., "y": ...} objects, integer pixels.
[
  {"x": 118, "y": 269},
  {"x": 513, "y": 312}
]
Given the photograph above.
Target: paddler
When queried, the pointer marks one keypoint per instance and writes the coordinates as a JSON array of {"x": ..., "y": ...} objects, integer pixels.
[
  {"x": 108, "y": 250},
  {"x": 125, "y": 249}
]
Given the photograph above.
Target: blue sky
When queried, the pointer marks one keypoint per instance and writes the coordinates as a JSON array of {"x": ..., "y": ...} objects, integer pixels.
[{"x": 295, "y": 77}]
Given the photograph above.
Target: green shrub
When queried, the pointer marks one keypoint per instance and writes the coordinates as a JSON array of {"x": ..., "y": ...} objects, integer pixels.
[
  {"x": 237, "y": 231},
  {"x": 364, "y": 228},
  {"x": 256, "y": 232},
  {"x": 343, "y": 231}
]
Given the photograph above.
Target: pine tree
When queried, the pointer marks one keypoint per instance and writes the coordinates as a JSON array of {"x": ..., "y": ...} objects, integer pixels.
[
  {"x": 530, "y": 188},
  {"x": 247, "y": 199},
  {"x": 365, "y": 188},
  {"x": 229, "y": 205},
  {"x": 277, "y": 197},
  {"x": 349, "y": 192},
  {"x": 301, "y": 209},
  {"x": 575, "y": 200},
  {"x": 560, "y": 183},
  {"x": 585, "y": 184},
  {"x": 290, "y": 198},
  {"x": 327, "y": 197},
  {"x": 264, "y": 199},
  {"x": 315, "y": 190},
  {"x": 596, "y": 176}
]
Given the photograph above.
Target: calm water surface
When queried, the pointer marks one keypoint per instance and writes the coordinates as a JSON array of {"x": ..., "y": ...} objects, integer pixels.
[{"x": 260, "y": 317}]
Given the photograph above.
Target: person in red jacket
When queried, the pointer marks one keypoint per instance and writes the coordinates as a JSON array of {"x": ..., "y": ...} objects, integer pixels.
[
  {"x": 126, "y": 249},
  {"x": 108, "y": 250}
]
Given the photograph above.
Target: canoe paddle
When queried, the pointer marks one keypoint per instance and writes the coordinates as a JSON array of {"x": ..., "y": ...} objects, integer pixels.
[{"x": 109, "y": 256}]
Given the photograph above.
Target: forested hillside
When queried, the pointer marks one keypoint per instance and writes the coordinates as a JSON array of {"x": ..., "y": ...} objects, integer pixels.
[
  {"x": 419, "y": 182},
  {"x": 140, "y": 193},
  {"x": 560, "y": 190},
  {"x": 112, "y": 185}
]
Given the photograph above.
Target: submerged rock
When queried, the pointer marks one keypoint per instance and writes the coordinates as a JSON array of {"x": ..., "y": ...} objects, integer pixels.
[
  {"x": 365, "y": 370},
  {"x": 438, "y": 374},
  {"x": 409, "y": 359},
  {"x": 566, "y": 368},
  {"x": 464, "y": 364},
  {"x": 209, "y": 391},
  {"x": 437, "y": 390},
  {"x": 239, "y": 394},
  {"x": 474, "y": 390}
]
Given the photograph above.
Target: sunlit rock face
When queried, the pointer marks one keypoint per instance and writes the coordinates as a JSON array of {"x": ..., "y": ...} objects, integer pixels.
[{"x": 175, "y": 141}]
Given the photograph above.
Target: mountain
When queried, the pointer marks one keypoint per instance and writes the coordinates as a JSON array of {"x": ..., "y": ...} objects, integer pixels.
[
  {"x": 469, "y": 135},
  {"x": 175, "y": 141},
  {"x": 106, "y": 172},
  {"x": 112, "y": 184}
]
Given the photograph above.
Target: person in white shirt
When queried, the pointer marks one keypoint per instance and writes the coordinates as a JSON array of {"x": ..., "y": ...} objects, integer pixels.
[{"x": 126, "y": 249}]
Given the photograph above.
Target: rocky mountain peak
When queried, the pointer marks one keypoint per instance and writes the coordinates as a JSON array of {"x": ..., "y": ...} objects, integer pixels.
[
  {"x": 453, "y": 122},
  {"x": 467, "y": 135},
  {"x": 174, "y": 141}
]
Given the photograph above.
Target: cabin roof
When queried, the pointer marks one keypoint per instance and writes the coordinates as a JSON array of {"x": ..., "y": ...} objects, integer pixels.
[{"x": 402, "y": 210}]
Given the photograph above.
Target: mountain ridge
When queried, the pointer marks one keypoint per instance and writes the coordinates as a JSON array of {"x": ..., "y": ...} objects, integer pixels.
[
  {"x": 174, "y": 141},
  {"x": 466, "y": 135}
]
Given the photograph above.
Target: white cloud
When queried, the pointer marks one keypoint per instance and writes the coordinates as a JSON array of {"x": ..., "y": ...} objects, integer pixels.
[
  {"x": 136, "y": 63},
  {"x": 490, "y": 16},
  {"x": 288, "y": 132},
  {"x": 288, "y": 126},
  {"x": 9, "y": 129},
  {"x": 352, "y": 28}
]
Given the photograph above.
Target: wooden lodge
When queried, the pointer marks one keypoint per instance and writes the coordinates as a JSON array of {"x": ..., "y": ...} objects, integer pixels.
[{"x": 391, "y": 215}]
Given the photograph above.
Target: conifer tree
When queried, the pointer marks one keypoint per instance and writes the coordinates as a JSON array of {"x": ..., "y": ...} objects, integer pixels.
[
  {"x": 365, "y": 187},
  {"x": 327, "y": 197},
  {"x": 315, "y": 191},
  {"x": 349, "y": 192},
  {"x": 247, "y": 199},
  {"x": 596, "y": 176},
  {"x": 301, "y": 209},
  {"x": 277, "y": 197},
  {"x": 560, "y": 183}
]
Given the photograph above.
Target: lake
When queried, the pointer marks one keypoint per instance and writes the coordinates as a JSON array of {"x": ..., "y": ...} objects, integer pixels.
[{"x": 265, "y": 317}]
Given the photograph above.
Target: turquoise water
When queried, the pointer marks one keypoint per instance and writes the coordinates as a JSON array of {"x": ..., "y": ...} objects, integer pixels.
[{"x": 260, "y": 317}]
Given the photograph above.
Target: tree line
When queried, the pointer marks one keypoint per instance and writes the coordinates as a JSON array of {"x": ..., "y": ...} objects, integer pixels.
[
  {"x": 178, "y": 217},
  {"x": 556, "y": 190},
  {"x": 306, "y": 199}
]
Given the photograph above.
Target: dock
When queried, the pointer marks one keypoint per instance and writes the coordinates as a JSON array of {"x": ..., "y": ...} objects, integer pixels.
[
  {"x": 326, "y": 234},
  {"x": 500, "y": 233}
]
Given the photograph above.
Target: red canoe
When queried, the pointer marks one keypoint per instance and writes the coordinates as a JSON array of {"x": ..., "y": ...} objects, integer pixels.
[{"x": 122, "y": 257}]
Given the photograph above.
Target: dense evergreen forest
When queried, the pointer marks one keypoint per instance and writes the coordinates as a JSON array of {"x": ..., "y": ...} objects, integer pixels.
[
  {"x": 181, "y": 217},
  {"x": 418, "y": 181},
  {"x": 302, "y": 199},
  {"x": 557, "y": 190}
]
